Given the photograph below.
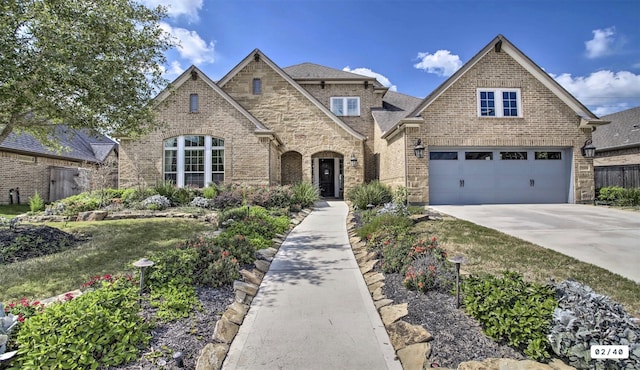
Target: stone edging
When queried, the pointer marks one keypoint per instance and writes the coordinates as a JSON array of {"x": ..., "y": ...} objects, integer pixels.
[
  {"x": 411, "y": 342},
  {"x": 213, "y": 354}
]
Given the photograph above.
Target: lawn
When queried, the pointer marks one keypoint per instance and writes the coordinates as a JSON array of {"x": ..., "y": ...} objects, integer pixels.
[
  {"x": 13, "y": 210},
  {"x": 490, "y": 251},
  {"x": 112, "y": 247}
]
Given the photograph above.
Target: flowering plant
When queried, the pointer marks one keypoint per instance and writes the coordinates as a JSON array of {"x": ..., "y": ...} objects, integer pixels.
[{"x": 24, "y": 309}]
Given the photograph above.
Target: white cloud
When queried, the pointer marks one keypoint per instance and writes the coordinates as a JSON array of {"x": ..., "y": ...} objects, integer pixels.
[
  {"x": 175, "y": 9},
  {"x": 603, "y": 91},
  {"x": 601, "y": 44},
  {"x": 173, "y": 71},
  {"x": 442, "y": 63},
  {"x": 191, "y": 46},
  {"x": 369, "y": 73}
]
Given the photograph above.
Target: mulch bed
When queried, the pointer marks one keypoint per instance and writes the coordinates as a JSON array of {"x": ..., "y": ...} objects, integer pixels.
[
  {"x": 34, "y": 241},
  {"x": 457, "y": 336}
]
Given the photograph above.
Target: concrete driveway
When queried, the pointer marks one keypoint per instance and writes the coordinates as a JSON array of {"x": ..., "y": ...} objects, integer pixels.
[{"x": 605, "y": 237}]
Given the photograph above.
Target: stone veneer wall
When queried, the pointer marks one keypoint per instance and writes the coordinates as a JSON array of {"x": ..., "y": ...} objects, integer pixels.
[
  {"x": 452, "y": 120},
  {"x": 300, "y": 125},
  {"x": 247, "y": 157}
]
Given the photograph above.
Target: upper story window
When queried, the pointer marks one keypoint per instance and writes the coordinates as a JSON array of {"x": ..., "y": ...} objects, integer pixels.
[
  {"x": 499, "y": 103},
  {"x": 257, "y": 86},
  {"x": 345, "y": 106},
  {"x": 193, "y": 103}
]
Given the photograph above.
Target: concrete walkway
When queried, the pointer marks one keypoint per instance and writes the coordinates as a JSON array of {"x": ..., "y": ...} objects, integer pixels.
[
  {"x": 313, "y": 309},
  {"x": 605, "y": 237}
]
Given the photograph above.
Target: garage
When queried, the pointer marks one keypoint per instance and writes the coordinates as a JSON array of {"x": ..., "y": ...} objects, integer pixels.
[{"x": 499, "y": 175}]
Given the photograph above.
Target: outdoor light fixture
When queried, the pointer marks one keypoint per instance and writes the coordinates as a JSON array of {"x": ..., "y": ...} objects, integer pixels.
[
  {"x": 141, "y": 264},
  {"x": 588, "y": 149},
  {"x": 458, "y": 260},
  {"x": 354, "y": 160},
  {"x": 418, "y": 150}
]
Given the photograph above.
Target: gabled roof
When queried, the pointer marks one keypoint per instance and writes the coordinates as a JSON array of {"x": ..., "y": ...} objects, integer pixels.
[
  {"x": 260, "y": 128},
  {"x": 588, "y": 119},
  {"x": 395, "y": 106},
  {"x": 622, "y": 132},
  {"x": 293, "y": 83},
  {"x": 78, "y": 145},
  {"x": 311, "y": 71}
]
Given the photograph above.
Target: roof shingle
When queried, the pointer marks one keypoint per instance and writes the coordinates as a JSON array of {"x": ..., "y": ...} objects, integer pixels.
[{"x": 623, "y": 131}]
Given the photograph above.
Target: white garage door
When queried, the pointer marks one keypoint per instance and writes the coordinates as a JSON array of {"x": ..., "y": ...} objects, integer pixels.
[{"x": 499, "y": 175}]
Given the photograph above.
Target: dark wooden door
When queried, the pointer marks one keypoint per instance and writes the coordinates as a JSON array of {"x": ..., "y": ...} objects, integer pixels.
[{"x": 327, "y": 181}]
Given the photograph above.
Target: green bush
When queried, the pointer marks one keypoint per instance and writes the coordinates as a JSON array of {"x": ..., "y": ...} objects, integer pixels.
[
  {"x": 512, "y": 311},
  {"x": 270, "y": 197},
  {"x": 216, "y": 261},
  {"x": 36, "y": 204},
  {"x": 174, "y": 301},
  {"x": 172, "y": 266},
  {"x": 305, "y": 194},
  {"x": 374, "y": 193},
  {"x": 100, "y": 328},
  {"x": 620, "y": 196},
  {"x": 210, "y": 192},
  {"x": 75, "y": 204},
  {"x": 429, "y": 268}
]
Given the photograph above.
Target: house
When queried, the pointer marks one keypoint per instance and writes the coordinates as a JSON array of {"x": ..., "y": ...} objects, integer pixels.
[
  {"x": 617, "y": 160},
  {"x": 28, "y": 166},
  {"x": 500, "y": 130}
]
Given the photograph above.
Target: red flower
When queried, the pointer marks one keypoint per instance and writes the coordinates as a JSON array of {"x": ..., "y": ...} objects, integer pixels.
[
  {"x": 20, "y": 318},
  {"x": 68, "y": 297}
]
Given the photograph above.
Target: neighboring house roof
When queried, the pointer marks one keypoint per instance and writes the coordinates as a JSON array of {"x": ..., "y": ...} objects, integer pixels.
[
  {"x": 623, "y": 131},
  {"x": 500, "y": 43},
  {"x": 78, "y": 145},
  {"x": 395, "y": 106},
  {"x": 310, "y": 71},
  {"x": 293, "y": 83}
]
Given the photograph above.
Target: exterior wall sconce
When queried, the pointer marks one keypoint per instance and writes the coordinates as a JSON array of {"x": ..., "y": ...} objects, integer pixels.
[
  {"x": 418, "y": 150},
  {"x": 588, "y": 149},
  {"x": 354, "y": 160}
]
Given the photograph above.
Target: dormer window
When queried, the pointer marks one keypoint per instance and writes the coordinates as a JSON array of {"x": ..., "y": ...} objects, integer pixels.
[
  {"x": 345, "y": 106},
  {"x": 193, "y": 103},
  {"x": 257, "y": 86}
]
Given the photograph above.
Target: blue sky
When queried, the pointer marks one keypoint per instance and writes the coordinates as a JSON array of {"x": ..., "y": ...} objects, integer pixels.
[{"x": 591, "y": 47}]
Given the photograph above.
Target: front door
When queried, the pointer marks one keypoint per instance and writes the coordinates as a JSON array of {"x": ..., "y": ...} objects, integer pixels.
[{"x": 327, "y": 181}]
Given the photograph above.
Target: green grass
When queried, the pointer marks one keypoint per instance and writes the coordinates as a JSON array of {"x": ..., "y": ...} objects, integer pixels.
[
  {"x": 490, "y": 251},
  {"x": 13, "y": 210},
  {"x": 113, "y": 246}
]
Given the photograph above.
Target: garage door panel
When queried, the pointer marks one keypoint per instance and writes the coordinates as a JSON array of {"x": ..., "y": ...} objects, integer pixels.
[{"x": 499, "y": 175}]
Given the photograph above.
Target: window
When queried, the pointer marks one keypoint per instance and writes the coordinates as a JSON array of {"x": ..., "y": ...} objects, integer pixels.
[
  {"x": 257, "y": 86},
  {"x": 345, "y": 106},
  {"x": 548, "y": 155},
  {"x": 193, "y": 160},
  {"x": 499, "y": 103},
  {"x": 444, "y": 156},
  {"x": 513, "y": 156},
  {"x": 193, "y": 103},
  {"x": 474, "y": 156}
]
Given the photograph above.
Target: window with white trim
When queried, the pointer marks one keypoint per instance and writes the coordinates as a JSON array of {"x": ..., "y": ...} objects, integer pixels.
[
  {"x": 193, "y": 160},
  {"x": 499, "y": 103},
  {"x": 345, "y": 106}
]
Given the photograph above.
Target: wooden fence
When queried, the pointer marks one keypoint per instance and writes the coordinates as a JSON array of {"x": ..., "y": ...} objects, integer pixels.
[{"x": 627, "y": 176}]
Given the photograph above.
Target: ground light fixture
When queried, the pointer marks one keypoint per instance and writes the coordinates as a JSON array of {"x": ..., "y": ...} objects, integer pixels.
[
  {"x": 418, "y": 150},
  {"x": 588, "y": 149},
  {"x": 141, "y": 264},
  {"x": 354, "y": 160},
  {"x": 458, "y": 260}
]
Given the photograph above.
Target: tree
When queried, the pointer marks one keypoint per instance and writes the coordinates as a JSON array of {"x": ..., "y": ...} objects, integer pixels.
[{"x": 88, "y": 64}]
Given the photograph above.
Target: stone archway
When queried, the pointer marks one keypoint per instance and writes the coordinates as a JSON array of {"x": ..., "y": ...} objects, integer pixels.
[
  {"x": 291, "y": 168},
  {"x": 327, "y": 170}
]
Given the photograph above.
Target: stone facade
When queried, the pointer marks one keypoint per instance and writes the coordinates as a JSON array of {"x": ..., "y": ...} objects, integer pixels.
[{"x": 305, "y": 135}]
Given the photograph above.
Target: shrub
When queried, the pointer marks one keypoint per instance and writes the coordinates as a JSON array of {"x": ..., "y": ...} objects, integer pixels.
[
  {"x": 305, "y": 194},
  {"x": 174, "y": 301},
  {"x": 167, "y": 189},
  {"x": 24, "y": 309},
  {"x": 36, "y": 204},
  {"x": 172, "y": 266},
  {"x": 183, "y": 196},
  {"x": 385, "y": 223},
  {"x": 584, "y": 318},
  {"x": 214, "y": 264},
  {"x": 201, "y": 202},
  {"x": 229, "y": 198},
  {"x": 270, "y": 197},
  {"x": 620, "y": 196},
  {"x": 210, "y": 191},
  {"x": 156, "y": 203},
  {"x": 374, "y": 193},
  {"x": 512, "y": 311},
  {"x": 233, "y": 214},
  {"x": 75, "y": 204},
  {"x": 100, "y": 328},
  {"x": 429, "y": 272},
  {"x": 132, "y": 195}
]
